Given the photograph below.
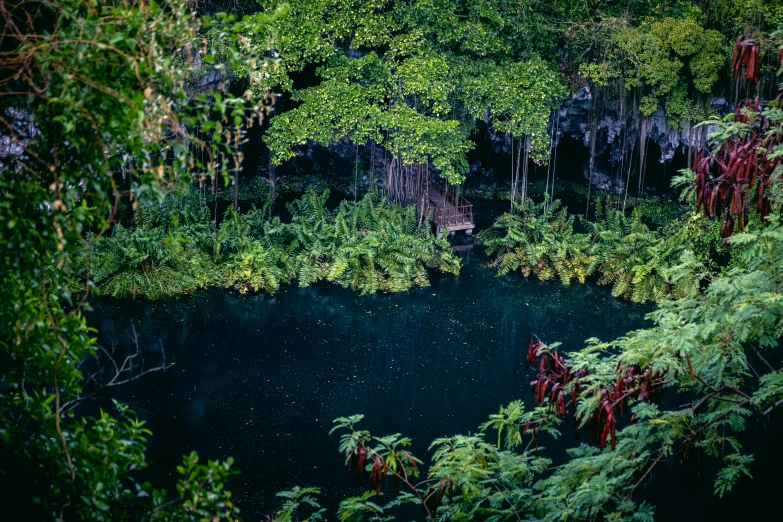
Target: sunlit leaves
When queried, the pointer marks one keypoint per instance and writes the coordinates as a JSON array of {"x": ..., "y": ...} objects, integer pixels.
[
  {"x": 657, "y": 51},
  {"x": 413, "y": 78},
  {"x": 518, "y": 98},
  {"x": 670, "y": 60}
]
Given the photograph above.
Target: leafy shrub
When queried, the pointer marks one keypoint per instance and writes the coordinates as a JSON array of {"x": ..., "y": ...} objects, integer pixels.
[
  {"x": 141, "y": 262},
  {"x": 539, "y": 239},
  {"x": 252, "y": 252},
  {"x": 166, "y": 252},
  {"x": 640, "y": 264},
  {"x": 367, "y": 246}
]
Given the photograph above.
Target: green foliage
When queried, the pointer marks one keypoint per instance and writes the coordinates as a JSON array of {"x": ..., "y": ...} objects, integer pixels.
[
  {"x": 141, "y": 262},
  {"x": 424, "y": 74},
  {"x": 735, "y": 465},
  {"x": 300, "y": 505},
  {"x": 670, "y": 60},
  {"x": 101, "y": 109},
  {"x": 110, "y": 101},
  {"x": 640, "y": 264},
  {"x": 164, "y": 253},
  {"x": 734, "y": 16},
  {"x": 538, "y": 239},
  {"x": 367, "y": 246},
  {"x": 711, "y": 347},
  {"x": 467, "y": 479},
  {"x": 512, "y": 419},
  {"x": 518, "y": 99},
  {"x": 645, "y": 265},
  {"x": 661, "y": 48},
  {"x": 253, "y": 252},
  {"x": 355, "y": 509},
  {"x": 201, "y": 488}
]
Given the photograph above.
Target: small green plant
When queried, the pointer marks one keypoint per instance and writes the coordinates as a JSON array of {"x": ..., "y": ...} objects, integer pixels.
[
  {"x": 252, "y": 252},
  {"x": 300, "y": 505}
]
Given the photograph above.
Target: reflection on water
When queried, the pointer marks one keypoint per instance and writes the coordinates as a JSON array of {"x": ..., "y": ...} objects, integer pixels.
[{"x": 260, "y": 378}]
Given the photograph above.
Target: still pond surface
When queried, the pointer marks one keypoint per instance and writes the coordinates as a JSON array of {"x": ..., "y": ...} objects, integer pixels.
[{"x": 261, "y": 378}]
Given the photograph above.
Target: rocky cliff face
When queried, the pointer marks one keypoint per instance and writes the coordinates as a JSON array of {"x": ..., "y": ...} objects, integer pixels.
[
  {"x": 616, "y": 133},
  {"x": 573, "y": 120},
  {"x": 617, "y": 136}
]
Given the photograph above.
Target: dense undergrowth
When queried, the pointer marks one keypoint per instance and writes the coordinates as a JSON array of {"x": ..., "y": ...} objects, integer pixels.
[
  {"x": 640, "y": 263},
  {"x": 173, "y": 247}
]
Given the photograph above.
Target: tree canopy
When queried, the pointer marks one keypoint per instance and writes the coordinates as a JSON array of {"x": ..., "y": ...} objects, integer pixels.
[{"x": 412, "y": 77}]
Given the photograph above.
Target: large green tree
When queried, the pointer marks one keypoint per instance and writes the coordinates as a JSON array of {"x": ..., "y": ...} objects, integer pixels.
[{"x": 412, "y": 77}]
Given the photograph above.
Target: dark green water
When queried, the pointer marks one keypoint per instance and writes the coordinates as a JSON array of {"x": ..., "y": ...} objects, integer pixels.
[{"x": 260, "y": 378}]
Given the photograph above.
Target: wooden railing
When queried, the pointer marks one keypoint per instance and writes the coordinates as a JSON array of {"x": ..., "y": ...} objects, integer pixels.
[
  {"x": 458, "y": 210},
  {"x": 450, "y": 216}
]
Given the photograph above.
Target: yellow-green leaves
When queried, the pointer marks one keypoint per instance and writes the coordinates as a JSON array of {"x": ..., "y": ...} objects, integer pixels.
[
  {"x": 518, "y": 97},
  {"x": 412, "y": 77},
  {"x": 656, "y": 54}
]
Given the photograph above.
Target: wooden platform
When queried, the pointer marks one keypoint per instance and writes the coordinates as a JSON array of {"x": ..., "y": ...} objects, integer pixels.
[{"x": 450, "y": 211}]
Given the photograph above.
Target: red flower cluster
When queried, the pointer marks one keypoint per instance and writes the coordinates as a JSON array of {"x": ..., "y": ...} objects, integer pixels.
[
  {"x": 554, "y": 376},
  {"x": 725, "y": 181},
  {"x": 356, "y": 461},
  {"x": 747, "y": 55}
]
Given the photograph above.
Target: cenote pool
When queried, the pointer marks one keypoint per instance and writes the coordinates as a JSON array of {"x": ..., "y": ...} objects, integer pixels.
[{"x": 261, "y": 378}]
